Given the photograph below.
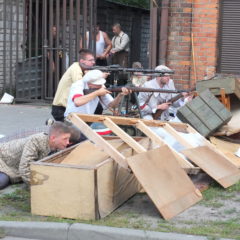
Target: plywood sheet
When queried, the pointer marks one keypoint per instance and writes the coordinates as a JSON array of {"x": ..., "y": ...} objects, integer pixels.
[
  {"x": 228, "y": 149},
  {"x": 214, "y": 164},
  {"x": 160, "y": 175},
  {"x": 89, "y": 154}
]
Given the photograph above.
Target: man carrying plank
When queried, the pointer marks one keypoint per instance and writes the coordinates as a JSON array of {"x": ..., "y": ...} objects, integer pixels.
[
  {"x": 86, "y": 104},
  {"x": 16, "y": 155},
  {"x": 153, "y": 103}
]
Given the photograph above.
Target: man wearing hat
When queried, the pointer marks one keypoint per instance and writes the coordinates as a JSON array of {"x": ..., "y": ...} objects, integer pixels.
[
  {"x": 150, "y": 104},
  {"x": 87, "y": 104}
]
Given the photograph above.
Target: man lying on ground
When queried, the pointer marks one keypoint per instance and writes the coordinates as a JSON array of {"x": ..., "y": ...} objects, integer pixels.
[
  {"x": 16, "y": 155},
  {"x": 87, "y": 103}
]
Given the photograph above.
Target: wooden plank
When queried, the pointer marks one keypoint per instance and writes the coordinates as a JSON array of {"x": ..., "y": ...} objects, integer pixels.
[
  {"x": 214, "y": 164},
  {"x": 129, "y": 121},
  {"x": 228, "y": 149},
  {"x": 154, "y": 137},
  {"x": 124, "y": 136},
  {"x": 161, "y": 178},
  {"x": 177, "y": 136},
  {"x": 97, "y": 139}
]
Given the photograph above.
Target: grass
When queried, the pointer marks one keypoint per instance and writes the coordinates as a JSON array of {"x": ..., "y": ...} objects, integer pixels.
[
  {"x": 16, "y": 207},
  {"x": 2, "y": 234}
]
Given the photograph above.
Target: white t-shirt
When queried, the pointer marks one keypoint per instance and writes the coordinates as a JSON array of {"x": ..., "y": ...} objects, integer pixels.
[{"x": 88, "y": 108}]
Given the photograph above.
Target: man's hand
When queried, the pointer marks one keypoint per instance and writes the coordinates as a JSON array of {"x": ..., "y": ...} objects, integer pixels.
[
  {"x": 102, "y": 91},
  {"x": 164, "y": 106},
  {"x": 112, "y": 51},
  {"x": 125, "y": 91}
]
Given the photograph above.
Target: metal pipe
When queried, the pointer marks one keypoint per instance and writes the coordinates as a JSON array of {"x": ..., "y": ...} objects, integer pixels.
[{"x": 164, "y": 32}]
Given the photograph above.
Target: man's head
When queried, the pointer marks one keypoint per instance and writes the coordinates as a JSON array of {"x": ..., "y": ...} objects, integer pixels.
[
  {"x": 54, "y": 31},
  {"x": 116, "y": 28},
  {"x": 59, "y": 135},
  {"x": 164, "y": 79},
  {"x": 86, "y": 58},
  {"x": 94, "y": 79},
  {"x": 97, "y": 28}
]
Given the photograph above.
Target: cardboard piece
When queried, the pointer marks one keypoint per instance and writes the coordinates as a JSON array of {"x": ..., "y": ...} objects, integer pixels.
[
  {"x": 160, "y": 175},
  {"x": 89, "y": 191},
  {"x": 214, "y": 164},
  {"x": 228, "y": 149}
]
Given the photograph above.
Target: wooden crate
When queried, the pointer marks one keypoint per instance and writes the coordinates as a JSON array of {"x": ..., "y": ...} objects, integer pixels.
[
  {"x": 205, "y": 113},
  {"x": 230, "y": 84},
  {"x": 89, "y": 190}
]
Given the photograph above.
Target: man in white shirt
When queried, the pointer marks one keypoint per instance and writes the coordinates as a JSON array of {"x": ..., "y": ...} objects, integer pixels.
[
  {"x": 120, "y": 46},
  {"x": 87, "y": 104},
  {"x": 150, "y": 104}
]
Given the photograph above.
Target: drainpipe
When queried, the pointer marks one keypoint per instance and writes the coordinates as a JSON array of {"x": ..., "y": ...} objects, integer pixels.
[{"x": 164, "y": 32}]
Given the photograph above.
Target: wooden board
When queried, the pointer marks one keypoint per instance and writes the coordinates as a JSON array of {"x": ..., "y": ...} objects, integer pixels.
[
  {"x": 214, "y": 164},
  {"x": 97, "y": 139},
  {"x": 89, "y": 154},
  {"x": 127, "y": 121},
  {"x": 161, "y": 178},
  {"x": 228, "y": 149},
  {"x": 154, "y": 137}
]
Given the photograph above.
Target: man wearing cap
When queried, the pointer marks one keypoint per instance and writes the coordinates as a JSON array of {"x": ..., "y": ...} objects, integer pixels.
[
  {"x": 87, "y": 104},
  {"x": 150, "y": 104}
]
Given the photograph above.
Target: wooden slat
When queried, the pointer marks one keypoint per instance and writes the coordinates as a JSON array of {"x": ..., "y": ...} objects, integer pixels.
[
  {"x": 129, "y": 121},
  {"x": 154, "y": 137},
  {"x": 214, "y": 164},
  {"x": 165, "y": 182},
  {"x": 124, "y": 136},
  {"x": 97, "y": 139},
  {"x": 177, "y": 136}
]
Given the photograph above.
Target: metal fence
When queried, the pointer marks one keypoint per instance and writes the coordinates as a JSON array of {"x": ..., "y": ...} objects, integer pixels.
[{"x": 41, "y": 38}]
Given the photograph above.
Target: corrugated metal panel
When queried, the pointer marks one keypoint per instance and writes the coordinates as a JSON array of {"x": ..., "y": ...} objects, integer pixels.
[{"x": 230, "y": 37}]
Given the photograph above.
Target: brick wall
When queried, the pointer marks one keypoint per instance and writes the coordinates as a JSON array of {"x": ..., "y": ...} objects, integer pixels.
[{"x": 199, "y": 18}]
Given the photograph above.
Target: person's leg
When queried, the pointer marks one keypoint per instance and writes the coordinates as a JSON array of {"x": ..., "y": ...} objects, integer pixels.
[
  {"x": 4, "y": 180},
  {"x": 58, "y": 113}
]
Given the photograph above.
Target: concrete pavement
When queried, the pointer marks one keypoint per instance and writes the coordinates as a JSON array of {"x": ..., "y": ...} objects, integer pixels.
[
  {"x": 18, "y": 117},
  {"x": 79, "y": 231}
]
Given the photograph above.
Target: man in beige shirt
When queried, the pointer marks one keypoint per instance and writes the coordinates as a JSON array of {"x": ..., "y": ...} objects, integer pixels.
[
  {"x": 74, "y": 72},
  {"x": 120, "y": 46}
]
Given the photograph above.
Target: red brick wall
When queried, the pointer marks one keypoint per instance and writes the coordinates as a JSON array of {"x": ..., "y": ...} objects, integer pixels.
[{"x": 199, "y": 17}]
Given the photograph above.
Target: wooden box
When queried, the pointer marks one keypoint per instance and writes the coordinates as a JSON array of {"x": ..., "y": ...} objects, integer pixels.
[
  {"x": 91, "y": 190},
  {"x": 231, "y": 84},
  {"x": 205, "y": 113}
]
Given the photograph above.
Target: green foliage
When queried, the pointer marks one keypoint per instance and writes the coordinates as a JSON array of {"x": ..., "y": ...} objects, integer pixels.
[{"x": 135, "y": 3}]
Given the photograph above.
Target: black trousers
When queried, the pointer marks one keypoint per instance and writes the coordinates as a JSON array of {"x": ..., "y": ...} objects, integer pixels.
[{"x": 58, "y": 113}]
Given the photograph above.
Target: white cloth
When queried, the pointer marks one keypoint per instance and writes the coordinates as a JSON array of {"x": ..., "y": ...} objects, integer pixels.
[
  {"x": 120, "y": 42},
  {"x": 88, "y": 108},
  {"x": 100, "y": 45},
  {"x": 156, "y": 99}
]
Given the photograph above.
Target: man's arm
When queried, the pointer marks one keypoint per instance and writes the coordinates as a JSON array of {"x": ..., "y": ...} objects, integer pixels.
[
  {"x": 30, "y": 154},
  {"x": 123, "y": 44},
  {"x": 108, "y": 43},
  {"x": 81, "y": 100},
  {"x": 116, "y": 101}
]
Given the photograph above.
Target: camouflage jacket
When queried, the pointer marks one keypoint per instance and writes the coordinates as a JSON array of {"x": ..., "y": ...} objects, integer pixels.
[{"x": 16, "y": 156}]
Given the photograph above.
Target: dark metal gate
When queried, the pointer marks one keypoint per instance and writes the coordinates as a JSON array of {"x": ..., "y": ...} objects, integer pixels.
[{"x": 41, "y": 39}]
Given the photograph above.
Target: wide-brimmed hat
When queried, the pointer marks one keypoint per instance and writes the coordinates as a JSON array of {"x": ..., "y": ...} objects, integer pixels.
[
  {"x": 94, "y": 77},
  {"x": 164, "y": 68}
]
